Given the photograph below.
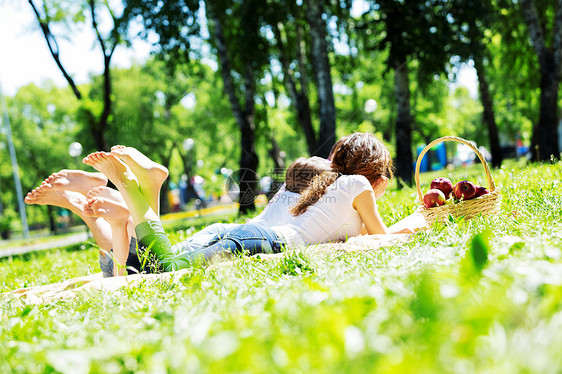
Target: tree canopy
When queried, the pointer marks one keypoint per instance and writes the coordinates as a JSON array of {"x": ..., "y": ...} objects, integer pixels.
[{"x": 257, "y": 84}]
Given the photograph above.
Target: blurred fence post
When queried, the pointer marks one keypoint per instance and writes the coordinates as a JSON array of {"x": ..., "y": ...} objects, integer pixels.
[{"x": 17, "y": 181}]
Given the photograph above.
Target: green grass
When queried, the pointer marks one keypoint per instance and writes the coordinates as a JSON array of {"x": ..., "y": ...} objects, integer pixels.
[{"x": 478, "y": 296}]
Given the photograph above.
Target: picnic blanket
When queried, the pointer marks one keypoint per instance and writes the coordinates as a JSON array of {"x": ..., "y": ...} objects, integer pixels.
[{"x": 76, "y": 286}]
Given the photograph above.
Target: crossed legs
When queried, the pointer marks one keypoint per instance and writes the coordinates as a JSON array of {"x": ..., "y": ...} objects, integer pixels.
[
  {"x": 103, "y": 209},
  {"x": 117, "y": 215},
  {"x": 138, "y": 180},
  {"x": 140, "y": 194}
]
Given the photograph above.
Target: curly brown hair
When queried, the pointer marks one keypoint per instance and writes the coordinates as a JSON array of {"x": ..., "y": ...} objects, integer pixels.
[
  {"x": 359, "y": 153},
  {"x": 302, "y": 170}
]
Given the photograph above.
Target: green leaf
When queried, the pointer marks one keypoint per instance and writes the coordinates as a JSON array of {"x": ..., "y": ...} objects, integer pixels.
[
  {"x": 427, "y": 300},
  {"x": 480, "y": 246}
]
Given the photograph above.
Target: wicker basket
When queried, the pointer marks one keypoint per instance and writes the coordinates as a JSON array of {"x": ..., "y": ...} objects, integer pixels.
[{"x": 485, "y": 204}]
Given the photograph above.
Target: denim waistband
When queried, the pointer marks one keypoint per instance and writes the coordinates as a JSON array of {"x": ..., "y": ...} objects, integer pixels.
[{"x": 252, "y": 232}]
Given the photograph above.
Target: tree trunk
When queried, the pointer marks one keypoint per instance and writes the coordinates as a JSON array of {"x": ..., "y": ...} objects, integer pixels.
[
  {"x": 187, "y": 158},
  {"x": 248, "y": 156},
  {"x": 305, "y": 120},
  {"x": 102, "y": 122},
  {"x": 304, "y": 97},
  {"x": 546, "y": 141},
  {"x": 164, "y": 202},
  {"x": 52, "y": 220},
  {"x": 98, "y": 136},
  {"x": 276, "y": 156},
  {"x": 54, "y": 49},
  {"x": 299, "y": 98},
  {"x": 244, "y": 118},
  {"x": 279, "y": 167},
  {"x": 545, "y": 133},
  {"x": 107, "y": 105},
  {"x": 404, "y": 168},
  {"x": 323, "y": 77},
  {"x": 248, "y": 166},
  {"x": 97, "y": 127},
  {"x": 488, "y": 114}
]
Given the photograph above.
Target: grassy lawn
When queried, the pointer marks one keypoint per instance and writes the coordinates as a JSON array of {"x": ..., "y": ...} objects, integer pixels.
[{"x": 429, "y": 305}]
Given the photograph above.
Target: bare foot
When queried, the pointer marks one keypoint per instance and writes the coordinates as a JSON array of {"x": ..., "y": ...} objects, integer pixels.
[
  {"x": 139, "y": 163},
  {"x": 76, "y": 180},
  {"x": 126, "y": 182},
  {"x": 150, "y": 174},
  {"x": 113, "y": 168},
  {"x": 105, "y": 192},
  {"x": 114, "y": 212},
  {"x": 46, "y": 194}
]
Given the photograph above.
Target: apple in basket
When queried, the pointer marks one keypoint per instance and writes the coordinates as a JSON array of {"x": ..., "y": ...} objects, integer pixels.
[
  {"x": 481, "y": 191},
  {"x": 464, "y": 190},
  {"x": 443, "y": 184},
  {"x": 433, "y": 198}
]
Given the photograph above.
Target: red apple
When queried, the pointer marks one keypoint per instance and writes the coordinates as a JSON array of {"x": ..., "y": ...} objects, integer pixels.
[
  {"x": 464, "y": 190},
  {"x": 433, "y": 197},
  {"x": 444, "y": 185},
  {"x": 481, "y": 191}
]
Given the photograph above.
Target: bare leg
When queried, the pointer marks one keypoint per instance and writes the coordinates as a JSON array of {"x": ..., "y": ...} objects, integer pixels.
[
  {"x": 147, "y": 223},
  {"x": 126, "y": 182},
  {"x": 47, "y": 194},
  {"x": 151, "y": 173},
  {"x": 76, "y": 180},
  {"x": 117, "y": 214},
  {"x": 112, "y": 194}
]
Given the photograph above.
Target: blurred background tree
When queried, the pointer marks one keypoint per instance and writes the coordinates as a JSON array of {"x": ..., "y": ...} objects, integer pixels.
[{"x": 472, "y": 23}]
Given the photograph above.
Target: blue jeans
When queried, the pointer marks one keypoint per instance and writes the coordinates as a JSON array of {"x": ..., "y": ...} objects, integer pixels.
[
  {"x": 251, "y": 237},
  {"x": 202, "y": 238}
]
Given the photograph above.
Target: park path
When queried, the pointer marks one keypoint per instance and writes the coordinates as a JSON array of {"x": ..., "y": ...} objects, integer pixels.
[{"x": 62, "y": 242}]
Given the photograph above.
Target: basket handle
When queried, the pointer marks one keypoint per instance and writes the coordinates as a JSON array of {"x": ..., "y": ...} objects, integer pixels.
[{"x": 455, "y": 139}]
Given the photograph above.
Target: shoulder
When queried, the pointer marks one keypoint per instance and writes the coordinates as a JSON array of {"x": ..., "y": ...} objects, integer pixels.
[
  {"x": 355, "y": 184},
  {"x": 356, "y": 179}
]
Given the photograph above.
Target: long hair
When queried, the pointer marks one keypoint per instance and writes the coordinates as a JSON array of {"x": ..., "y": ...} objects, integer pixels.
[
  {"x": 359, "y": 153},
  {"x": 302, "y": 170}
]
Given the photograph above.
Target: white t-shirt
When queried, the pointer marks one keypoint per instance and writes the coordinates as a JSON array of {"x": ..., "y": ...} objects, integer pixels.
[
  {"x": 276, "y": 213},
  {"x": 332, "y": 218}
]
